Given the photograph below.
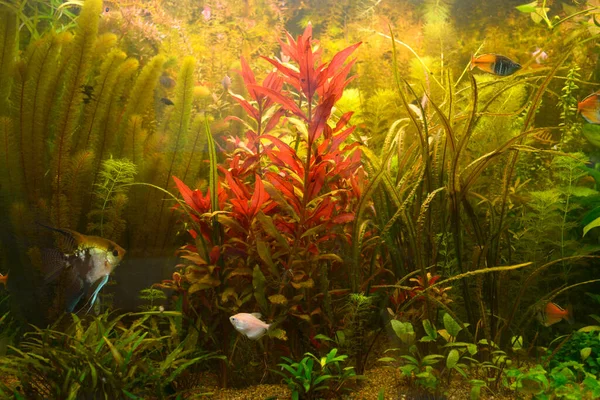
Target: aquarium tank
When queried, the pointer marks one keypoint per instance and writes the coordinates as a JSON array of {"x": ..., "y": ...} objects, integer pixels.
[{"x": 299, "y": 199}]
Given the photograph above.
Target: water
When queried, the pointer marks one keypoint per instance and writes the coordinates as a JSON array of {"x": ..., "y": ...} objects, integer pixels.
[{"x": 323, "y": 164}]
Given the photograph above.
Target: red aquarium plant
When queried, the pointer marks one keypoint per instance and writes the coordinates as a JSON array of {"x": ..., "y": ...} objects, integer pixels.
[{"x": 288, "y": 199}]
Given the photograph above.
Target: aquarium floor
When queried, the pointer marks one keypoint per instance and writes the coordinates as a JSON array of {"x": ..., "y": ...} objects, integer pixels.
[{"x": 375, "y": 380}]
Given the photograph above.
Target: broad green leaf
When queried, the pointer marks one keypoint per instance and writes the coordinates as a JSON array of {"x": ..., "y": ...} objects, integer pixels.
[
  {"x": 404, "y": 331},
  {"x": 594, "y": 224},
  {"x": 269, "y": 227},
  {"x": 585, "y": 353},
  {"x": 265, "y": 254},
  {"x": 517, "y": 342},
  {"x": 528, "y": 8},
  {"x": 258, "y": 283},
  {"x": 452, "y": 359},
  {"x": 430, "y": 329},
  {"x": 589, "y": 328},
  {"x": 451, "y": 325}
]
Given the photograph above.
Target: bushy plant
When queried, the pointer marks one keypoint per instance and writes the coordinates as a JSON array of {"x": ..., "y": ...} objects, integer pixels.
[
  {"x": 101, "y": 356},
  {"x": 313, "y": 377},
  {"x": 581, "y": 347}
]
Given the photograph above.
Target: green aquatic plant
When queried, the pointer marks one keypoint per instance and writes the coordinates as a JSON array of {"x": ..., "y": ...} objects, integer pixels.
[
  {"x": 8, "y": 36},
  {"x": 312, "y": 376},
  {"x": 581, "y": 347},
  {"x": 68, "y": 108},
  {"x": 101, "y": 357},
  {"x": 151, "y": 295},
  {"x": 111, "y": 198}
]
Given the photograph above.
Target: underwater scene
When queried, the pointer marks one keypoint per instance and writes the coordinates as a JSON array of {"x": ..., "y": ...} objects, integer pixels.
[{"x": 299, "y": 199}]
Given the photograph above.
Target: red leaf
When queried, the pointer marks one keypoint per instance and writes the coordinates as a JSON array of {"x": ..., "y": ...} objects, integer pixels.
[
  {"x": 288, "y": 72},
  {"x": 340, "y": 138},
  {"x": 343, "y": 121},
  {"x": 235, "y": 188},
  {"x": 274, "y": 120},
  {"x": 259, "y": 197},
  {"x": 343, "y": 218},
  {"x": 286, "y": 102},
  {"x": 185, "y": 191},
  {"x": 336, "y": 62},
  {"x": 248, "y": 77},
  {"x": 320, "y": 118},
  {"x": 253, "y": 112},
  {"x": 286, "y": 154},
  {"x": 316, "y": 181}
]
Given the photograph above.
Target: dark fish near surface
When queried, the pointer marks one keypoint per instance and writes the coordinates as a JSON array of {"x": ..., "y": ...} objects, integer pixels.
[
  {"x": 590, "y": 108},
  {"x": 83, "y": 266},
  {"x": 553, "y": 313},
  {"x": 166, "y": 101},
  {"x": 495, "y": 64}
]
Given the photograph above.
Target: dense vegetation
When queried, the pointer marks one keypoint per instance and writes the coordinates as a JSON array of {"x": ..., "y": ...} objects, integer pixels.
[{"x": 361, "y": 191}]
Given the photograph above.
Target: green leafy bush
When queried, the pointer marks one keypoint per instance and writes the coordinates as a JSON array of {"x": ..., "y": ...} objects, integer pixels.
[
  {"x": 582, "y": 347},
  {"x": 307, "y": 378},
  {"x": 101, "y": 357}
]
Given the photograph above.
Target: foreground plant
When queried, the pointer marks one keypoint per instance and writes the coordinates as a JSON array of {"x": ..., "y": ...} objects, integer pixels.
[
  {"x": 313, "y": 376},
  {"x": 101, "y": 357}
]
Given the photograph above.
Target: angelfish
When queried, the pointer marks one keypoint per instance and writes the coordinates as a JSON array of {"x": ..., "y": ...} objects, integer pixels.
[
  {"x": 83, "y": 266},
  {"x": 249, "y": 325}
]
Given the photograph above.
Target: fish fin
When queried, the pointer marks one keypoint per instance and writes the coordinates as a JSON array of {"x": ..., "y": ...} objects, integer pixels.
[
  {"x": 257, "y": 315},
  {"x": 53, "y": 263},
  {"x": 569, "y": 316},
  {"x": 71, "y": 238},
  {"x": 472, "y": 63}
]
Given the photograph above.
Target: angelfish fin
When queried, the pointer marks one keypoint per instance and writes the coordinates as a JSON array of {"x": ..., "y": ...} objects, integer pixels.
[{"x": 53, "y": 263}]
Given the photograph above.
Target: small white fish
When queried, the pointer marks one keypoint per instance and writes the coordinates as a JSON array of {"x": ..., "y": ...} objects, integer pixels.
[{"x": 249, "y": 325}]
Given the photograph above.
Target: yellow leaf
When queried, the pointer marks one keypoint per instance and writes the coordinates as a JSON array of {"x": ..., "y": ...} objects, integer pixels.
[
  {"x": 278, "y": 299},
  {"x": 305, "y": 284}
]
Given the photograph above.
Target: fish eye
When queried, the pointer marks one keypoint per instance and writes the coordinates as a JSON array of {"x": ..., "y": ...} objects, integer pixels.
[
  {"x": 106, "y": 9},
  {"x": 115, "y": 253}
]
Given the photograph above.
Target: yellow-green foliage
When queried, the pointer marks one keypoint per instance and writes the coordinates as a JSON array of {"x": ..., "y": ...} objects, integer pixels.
[
  {"x": 111, "y": 198},
  {"x": 8, "y": 41},
  {"x": 69, "y": 106},
  {"x": 179, "y": 122},
  {"x": 108, "y": 130},
  {"x": 79, "y": 173},
  {"x": 135, "y": 137},
  {"x": 97, "y": 108},
  {"x": 7, "y": 155},
  {"x": 141, "y": 95}
]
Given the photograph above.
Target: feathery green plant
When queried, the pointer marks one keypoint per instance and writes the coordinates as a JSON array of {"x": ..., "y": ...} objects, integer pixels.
[
  {"x": 68, "y": 109},
  {"x": 111, "y": 198}
]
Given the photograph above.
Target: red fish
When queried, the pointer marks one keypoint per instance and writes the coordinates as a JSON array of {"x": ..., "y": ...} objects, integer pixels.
[
  {"x": 4, "y": 280},
  {"x": 590, "y": 108},
  {"x": 495, "y": 64},
  {"x": 553, "y": 313}
]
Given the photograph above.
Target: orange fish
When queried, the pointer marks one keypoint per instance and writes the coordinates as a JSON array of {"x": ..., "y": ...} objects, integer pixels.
[
  {"x": 590, "y": 108},
  {"x": 250, "y": 325},
  {"x": 495, "y": 64},
  {"x": 4, "y": 280},
  {"x": 553, "y": 313}
]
